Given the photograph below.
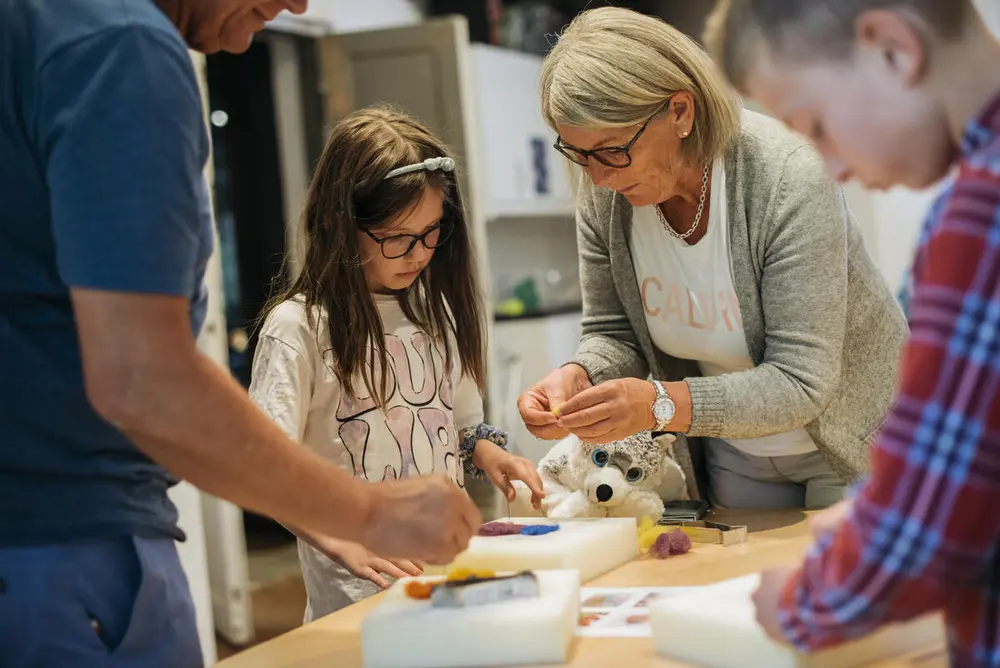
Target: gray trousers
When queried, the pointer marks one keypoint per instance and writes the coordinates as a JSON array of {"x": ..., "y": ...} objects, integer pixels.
[{"x": 739, "y": 480}]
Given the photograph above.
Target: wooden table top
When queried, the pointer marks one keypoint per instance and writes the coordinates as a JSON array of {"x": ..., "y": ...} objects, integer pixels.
[{"x": 775, "y": 538}]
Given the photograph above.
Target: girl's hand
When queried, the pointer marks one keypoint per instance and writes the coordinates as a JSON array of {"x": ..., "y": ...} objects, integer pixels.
[
  {"x": 619, "y": 408},
  {"x": 362, "y": 563},
  {"x": 494, "y": 461}
]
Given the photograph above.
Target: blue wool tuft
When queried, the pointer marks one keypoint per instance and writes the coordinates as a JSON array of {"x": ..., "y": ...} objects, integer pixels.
[{"x": 538, "y": 529}]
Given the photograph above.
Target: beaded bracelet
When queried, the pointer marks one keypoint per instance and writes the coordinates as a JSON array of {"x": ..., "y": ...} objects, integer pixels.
[{"x": 467, "y": 439}]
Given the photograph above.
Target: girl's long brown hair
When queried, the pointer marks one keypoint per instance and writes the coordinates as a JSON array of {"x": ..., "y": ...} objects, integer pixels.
[{"x": 349, "y": 193}]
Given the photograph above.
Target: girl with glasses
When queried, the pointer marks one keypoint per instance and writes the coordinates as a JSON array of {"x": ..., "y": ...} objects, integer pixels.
[{"x": 374, "y": 356}]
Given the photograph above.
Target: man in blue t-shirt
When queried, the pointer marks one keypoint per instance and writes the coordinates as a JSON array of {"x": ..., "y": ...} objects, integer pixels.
[{"x": 105, "y": 231}]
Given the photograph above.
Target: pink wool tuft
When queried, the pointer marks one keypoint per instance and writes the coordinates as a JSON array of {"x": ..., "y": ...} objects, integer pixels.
[
  {"x": 499, "y": 529},
  {"x": 680, "y": 542},
  {"x": 675, "y": 542}
]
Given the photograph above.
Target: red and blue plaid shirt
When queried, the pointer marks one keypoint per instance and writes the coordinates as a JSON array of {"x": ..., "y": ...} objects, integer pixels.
[{"x": 924, "y": 530}]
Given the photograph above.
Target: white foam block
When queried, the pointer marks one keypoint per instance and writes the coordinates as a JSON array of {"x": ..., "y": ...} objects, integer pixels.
[
  {"x": 405, "y": 633},
  {"x": 590, "y": 545},
  {"x": 715, "y": 627}
]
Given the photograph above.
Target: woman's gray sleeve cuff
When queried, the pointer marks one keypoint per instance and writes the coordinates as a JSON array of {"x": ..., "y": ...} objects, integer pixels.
[
  {"x": 708, "y": 406},
  {"x": 605, "y": 359},
  {"x": 594, "y": 365}
]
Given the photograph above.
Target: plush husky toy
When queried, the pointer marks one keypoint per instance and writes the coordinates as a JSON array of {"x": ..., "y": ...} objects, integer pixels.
[{"x": 627, "y": 478}]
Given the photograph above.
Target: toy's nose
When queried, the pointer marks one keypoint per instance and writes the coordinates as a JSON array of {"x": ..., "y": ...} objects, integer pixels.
[{"x": 604, "y": 493}]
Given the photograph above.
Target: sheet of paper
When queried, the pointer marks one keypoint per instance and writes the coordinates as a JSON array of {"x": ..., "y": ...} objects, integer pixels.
[{"x": 619, "y": 612}]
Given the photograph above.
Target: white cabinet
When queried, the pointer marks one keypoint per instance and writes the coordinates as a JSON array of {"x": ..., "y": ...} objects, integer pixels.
[
  {"x": 483, "y": 100},
  {"x": 214, "y": 556},
  {"x": 520, "y": 174},
  {"x": 990, "y": 11},
  {"x": 194, "y": 558}
]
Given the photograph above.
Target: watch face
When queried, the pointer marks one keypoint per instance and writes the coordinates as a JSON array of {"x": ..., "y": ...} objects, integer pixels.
[{"x": 663, "y": 409}]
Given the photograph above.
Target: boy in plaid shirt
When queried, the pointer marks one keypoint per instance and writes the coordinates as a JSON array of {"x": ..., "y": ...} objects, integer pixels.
[{"x": 898, "y": 92}]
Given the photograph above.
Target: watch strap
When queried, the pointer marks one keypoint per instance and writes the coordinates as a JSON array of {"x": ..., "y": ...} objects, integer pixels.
[{"x": 661, "y": 393}]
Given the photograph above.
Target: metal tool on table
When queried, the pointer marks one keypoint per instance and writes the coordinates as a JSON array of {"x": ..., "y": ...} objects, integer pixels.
[
  {"x": 483, "y": 591},
  {"x": 690, "y": 517},
  {"x": 705, "y": 531}
]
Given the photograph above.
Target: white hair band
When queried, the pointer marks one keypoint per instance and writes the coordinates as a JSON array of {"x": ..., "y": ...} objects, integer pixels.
[{"x": 445, "y": 164}]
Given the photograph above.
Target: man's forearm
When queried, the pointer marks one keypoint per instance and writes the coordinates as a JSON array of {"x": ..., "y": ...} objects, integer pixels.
[
  {"x": 194, "y": 420},
  {"x": 820, "y": 603},
  {"x": 331, "y": 547}
]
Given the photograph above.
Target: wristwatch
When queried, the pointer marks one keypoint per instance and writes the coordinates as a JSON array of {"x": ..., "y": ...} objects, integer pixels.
[{"x": 663, "y": 407}]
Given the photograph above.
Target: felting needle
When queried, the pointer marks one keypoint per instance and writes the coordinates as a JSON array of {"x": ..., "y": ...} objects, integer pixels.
[{"x": 506, "y": 496}]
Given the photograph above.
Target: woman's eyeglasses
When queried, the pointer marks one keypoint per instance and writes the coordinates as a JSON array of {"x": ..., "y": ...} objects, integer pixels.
[
  {"x": 399, "y": 245},
  {"x": 612, "y": 156}
]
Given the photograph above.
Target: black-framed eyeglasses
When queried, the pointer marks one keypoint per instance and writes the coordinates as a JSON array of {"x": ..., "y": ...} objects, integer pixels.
[
  {"x": 399, "y": 245},
  {"x": 612, "y": 156}
]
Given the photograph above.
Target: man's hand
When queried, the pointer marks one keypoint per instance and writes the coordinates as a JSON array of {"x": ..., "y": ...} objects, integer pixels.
[
  {"x": 424, "y": 517},
  {"x": 540, "y": 402},
  {"x": 494, "y": 461},
  {"x": 610, "y": 411},
  {"x": 767, "y": 599}
]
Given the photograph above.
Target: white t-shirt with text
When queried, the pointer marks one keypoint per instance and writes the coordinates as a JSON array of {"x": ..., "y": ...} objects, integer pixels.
[
  {"x": 417, "y": 433},
  {"x": 691, "y": 306}
]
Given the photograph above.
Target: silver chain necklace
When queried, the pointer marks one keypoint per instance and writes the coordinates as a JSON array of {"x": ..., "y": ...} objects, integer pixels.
[{"x": 697, "y": 216}]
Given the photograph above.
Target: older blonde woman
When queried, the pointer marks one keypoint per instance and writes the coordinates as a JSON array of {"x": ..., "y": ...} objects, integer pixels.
[{"x": 718, "y": 260}]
